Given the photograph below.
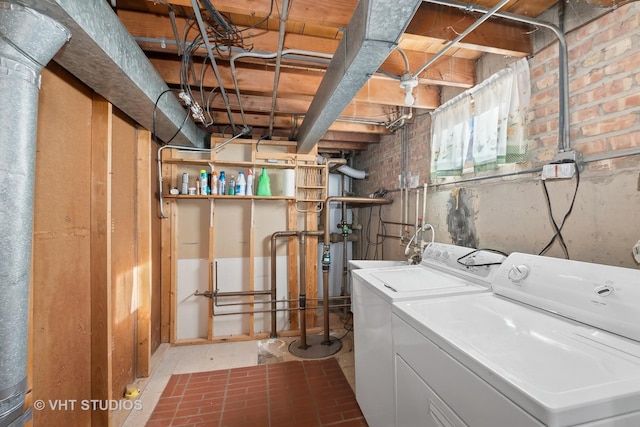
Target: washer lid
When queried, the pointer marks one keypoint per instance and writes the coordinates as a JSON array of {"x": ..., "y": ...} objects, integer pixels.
[
  {"x": 416, "y": 281},
  {"x": 560, "y": 371}
]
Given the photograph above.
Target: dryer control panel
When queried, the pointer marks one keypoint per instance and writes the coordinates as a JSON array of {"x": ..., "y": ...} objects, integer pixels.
[{"x": 603, "y": 296}]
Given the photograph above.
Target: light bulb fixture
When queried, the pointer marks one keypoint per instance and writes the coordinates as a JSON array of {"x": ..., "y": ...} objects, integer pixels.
[{"x": 408, "y": 82}]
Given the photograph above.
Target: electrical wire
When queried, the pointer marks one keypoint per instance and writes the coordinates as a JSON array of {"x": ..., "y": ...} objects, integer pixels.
[
  {"x": 459, "y": 260},
  {"x": 348, "y": 326},
  {"x": 377, "y": 242},
  {"x": 153, "y": 121},
  {"x": 558, "y": 230}
]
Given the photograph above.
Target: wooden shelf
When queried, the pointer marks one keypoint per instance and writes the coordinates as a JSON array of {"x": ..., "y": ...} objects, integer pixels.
[
  {"x": 230, "y": 164},
  {"x": 226, "y": 197},
  {"x": 310, "y": 188}
]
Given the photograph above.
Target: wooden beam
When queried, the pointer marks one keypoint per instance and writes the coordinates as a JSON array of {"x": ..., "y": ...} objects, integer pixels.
[
  {"x": 262, "y": 104},
  {"x": 287, "y": 122},
  {"x": 350, "y": 137},
  {"x": 328, "y": 14},
  {"x": 448, "y": 71},
  {"x": 101, "y": 310},
  {"x": 324, "y": 145},
  {"x": 493, "y": 36},
  {"x": 292, "y": 84}
]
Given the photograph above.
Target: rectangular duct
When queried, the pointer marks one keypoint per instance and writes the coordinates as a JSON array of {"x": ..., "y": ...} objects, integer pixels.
[
  {"x": 372, "y": 34},
  {"x": 104, "y": 56}
]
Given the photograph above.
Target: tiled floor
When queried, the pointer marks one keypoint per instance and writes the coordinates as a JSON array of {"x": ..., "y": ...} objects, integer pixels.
[
  {"x": 168, "y": 361},
  {"x": 311, "y": 393}
]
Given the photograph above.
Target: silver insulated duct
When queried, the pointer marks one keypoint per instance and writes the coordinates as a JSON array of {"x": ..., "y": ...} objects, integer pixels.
[{"x": 28, "y": 41}]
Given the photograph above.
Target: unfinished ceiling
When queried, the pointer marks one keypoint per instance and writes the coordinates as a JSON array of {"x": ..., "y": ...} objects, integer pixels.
[{"x": 269, "y": 63}]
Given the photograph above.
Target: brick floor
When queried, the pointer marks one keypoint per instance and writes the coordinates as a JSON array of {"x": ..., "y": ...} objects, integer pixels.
[{"x": 311, "y": 393}]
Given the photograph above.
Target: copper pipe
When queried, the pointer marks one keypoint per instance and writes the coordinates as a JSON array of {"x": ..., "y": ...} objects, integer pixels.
[
  {"x": 274, "y": 295},
  {"x": 302, "y": 287},
  {"x": 274, "y": 311},
  {"x": 233, "y": 304},
  {"x": 326, "y": 254},
  {"x": 302, "y": 293}
]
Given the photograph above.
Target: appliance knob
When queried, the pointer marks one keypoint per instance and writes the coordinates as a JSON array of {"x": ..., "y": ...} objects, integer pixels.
[
  {"x": 437, "y": 254},
  {"x": 518, "y": 273},
  {"x": 445, "y": 255}
]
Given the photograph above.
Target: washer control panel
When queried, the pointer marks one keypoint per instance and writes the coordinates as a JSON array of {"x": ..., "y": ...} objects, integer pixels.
[{"x": 467, "y": 261}]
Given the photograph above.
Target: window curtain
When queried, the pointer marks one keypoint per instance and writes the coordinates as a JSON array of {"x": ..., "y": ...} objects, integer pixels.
[
  {"x": 499, "y": 132},
  {"x": 450, "y": 135},
  {"x": 485, "y": 126}
]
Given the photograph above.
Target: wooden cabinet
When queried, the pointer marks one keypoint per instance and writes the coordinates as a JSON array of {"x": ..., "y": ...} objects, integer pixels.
[{"x": 233, "y": 232}]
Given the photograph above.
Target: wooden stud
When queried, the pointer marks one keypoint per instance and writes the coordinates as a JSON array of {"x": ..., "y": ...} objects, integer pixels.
[
  {"x": 144, "y": 211},
  {"x": 101, "y": 310},
  {"x": 166, "y": 260}
]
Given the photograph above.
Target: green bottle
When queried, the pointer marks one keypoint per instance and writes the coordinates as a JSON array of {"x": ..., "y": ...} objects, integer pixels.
[{"x": 264, "y": 184}]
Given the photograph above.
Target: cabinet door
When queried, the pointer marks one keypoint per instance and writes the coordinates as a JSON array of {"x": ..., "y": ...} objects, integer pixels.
[{"x": 417, "y": 404}]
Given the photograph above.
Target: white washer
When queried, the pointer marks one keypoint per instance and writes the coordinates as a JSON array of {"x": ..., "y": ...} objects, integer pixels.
[
  {"x": 556, "y": 344},
  {"x": 374, "y": 291}
]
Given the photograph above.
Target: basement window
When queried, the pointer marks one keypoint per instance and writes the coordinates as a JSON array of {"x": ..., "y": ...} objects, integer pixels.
[{"x": 483, "y": 127}]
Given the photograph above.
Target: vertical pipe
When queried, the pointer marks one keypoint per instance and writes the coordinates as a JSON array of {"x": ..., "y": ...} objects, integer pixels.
[
  {"x": 23, "y": 54},
  {"x": 274, "y": 294},
  {"x": 276, "y": 78},
  {"x": 326, "y": 253},
  {"x": 303, "y": 294}
]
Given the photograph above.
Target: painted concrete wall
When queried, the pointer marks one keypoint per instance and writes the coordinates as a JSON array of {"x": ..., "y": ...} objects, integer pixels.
[{"x": 510, "y": 213}]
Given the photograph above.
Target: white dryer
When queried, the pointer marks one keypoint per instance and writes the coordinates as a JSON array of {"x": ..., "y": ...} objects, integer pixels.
[
  {"x": 374, "y": 290},
  {"x": 557, "y": 343}
]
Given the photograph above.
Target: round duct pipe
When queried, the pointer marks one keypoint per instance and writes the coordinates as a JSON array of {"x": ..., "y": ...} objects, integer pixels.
[
  {"x": 23, "y": 54},
  {"x": 351, "y": 172}
]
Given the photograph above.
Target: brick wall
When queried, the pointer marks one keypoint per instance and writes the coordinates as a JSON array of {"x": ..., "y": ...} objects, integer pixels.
[{"x": 511, "y": 213}]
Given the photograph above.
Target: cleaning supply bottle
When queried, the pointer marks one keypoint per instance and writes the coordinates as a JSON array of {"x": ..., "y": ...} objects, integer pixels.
[
  {"x": 204, "y": 184},
  {"x": 249, "y": 190},
  {"x": 222, "y": 188},
  {"x": 184, "y": 189},
  {"x": 264, "y": 184},
  {"x": 214, "y": 182},
  {"x": 232, "y": 185},
  {"x": 241, "y": 185}
]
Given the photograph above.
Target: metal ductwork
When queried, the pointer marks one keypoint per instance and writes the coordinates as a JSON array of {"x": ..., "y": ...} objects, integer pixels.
[
  {"x": 372, "y": 34},
  {"x": 103, "y": 55},
  {"x": 23, "y": 54}
]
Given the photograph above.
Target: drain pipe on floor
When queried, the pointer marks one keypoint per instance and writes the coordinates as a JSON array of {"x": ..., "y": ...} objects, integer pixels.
[{"x": 23, "y": 54}]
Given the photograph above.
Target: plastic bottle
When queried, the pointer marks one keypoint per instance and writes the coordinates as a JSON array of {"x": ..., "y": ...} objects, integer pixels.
[
  {"x": 249, "y": 190},
  {"x": 214, "y": 182},
  {"x": 185, "y": 183},
  {"x": 241, "y": 185},
  {"x": 264, "y": 184},
  {"x": 232, "y": 185},
  {"x": 204, "y": 184},
  {"x": 222, "y": 184}
]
